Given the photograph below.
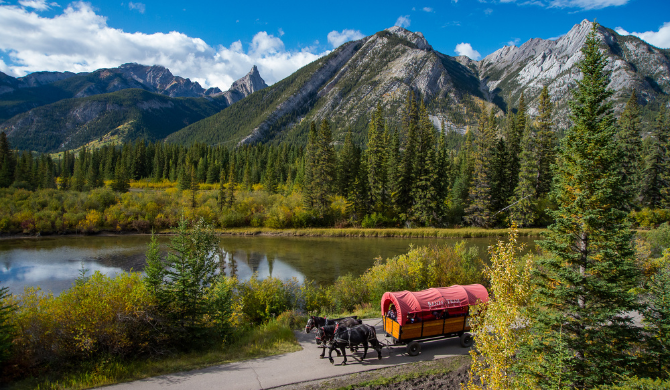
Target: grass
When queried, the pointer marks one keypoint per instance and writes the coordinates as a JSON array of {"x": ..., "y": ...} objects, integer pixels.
[
  {"x": 266, "y": 340},
  {"x": 380, "y": 232}
]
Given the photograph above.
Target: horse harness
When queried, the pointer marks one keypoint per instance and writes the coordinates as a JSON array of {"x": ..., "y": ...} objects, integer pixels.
[{"x": 347, "y": 342}]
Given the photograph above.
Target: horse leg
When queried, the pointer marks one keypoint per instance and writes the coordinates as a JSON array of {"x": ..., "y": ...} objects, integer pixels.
[
  {"x": 365, "y": 349},
  {"x": 330, "y": 353},
  {"x": 323, "y": 352},
  {"x": 344, "y": 353},
  {"x": 378, "y": 347}
]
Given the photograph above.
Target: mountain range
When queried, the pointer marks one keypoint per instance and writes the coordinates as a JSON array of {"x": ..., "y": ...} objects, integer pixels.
[{"x": 50, "y": 111}]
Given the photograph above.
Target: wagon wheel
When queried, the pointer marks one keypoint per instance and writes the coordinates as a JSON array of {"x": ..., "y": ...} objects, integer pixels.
[
  {"x": 413, "y": 348},
  {"x": 467, "y": 340}
]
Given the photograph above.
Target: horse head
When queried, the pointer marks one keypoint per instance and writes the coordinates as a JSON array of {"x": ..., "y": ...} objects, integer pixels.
[{"x": 310, "y": 325}]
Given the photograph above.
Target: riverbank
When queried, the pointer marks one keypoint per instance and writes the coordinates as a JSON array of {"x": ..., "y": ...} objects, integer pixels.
[{"x": 320, "y": 232}]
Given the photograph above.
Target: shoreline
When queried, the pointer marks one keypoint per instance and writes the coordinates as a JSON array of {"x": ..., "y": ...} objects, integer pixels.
[{"x": 313, "y": 232}]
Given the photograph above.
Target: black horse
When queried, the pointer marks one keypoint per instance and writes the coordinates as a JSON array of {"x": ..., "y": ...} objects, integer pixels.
[
  {"x": 315, "y": 322},
  {"x": 324, "y": 337},
  {"x": 350, "y": 337}
]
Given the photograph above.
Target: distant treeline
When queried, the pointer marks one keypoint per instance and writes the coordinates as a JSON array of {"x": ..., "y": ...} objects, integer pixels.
[{"x": 499, "y": 171}]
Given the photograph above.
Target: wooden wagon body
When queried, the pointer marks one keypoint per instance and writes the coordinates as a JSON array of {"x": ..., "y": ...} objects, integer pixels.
[{"x": 440, "y": 312}]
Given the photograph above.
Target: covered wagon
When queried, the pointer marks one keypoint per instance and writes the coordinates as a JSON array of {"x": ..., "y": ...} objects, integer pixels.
[{"x": 409, "y": 317}]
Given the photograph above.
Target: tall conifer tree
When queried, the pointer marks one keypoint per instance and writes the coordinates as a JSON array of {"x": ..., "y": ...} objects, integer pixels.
[
  {"x": 656, "y": 180},
  {"x": 546, "y": 140},
  {"x": 522, "y": 208},
  {"x": 478, "y": 212},
  {"x": 586, "y": 280}
]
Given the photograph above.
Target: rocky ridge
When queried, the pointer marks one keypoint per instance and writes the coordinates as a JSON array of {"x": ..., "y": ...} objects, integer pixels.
[{"x": 633, "y": 64}]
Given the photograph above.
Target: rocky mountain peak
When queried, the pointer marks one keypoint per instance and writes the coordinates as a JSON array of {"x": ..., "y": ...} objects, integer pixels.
[
  {"x": 250, "y": 83},
  {"x": 416, "y": 38}
]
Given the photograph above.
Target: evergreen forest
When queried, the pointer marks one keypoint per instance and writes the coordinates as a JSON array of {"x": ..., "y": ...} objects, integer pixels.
[{"x": 407, "y": 173}]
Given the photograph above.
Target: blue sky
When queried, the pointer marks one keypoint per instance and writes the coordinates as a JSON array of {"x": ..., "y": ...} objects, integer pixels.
[{"x": 215, "y": 43}]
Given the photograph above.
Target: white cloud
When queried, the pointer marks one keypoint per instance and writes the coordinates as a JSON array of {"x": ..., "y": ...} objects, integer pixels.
[
  {"x": 140, "y": 7},
  {"x": 586, "y": 4},
  {"x": 39, "y": 5},
  {"x": 79, "y": 40},
  {"x": 660, "y": 38},
  {"x": 281, "y": 32},
  {"x": 427, "y": 9},
  {"x": 465, "y": 49},
  {"x": 582, "y": 4},
  {"x": 403, "y": 21},
  {"x": 488, "y": 11},
  {"x": 513, "y": 42},
  {"x": 337, "y": 38}
]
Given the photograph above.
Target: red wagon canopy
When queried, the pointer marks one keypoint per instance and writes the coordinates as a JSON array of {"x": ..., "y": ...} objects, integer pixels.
[{"x": 439, "y": 298}]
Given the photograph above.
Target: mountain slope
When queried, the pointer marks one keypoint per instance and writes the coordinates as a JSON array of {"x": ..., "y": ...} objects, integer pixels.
[
  {"x": 122, "y": 115},
  {"x": 37, "y": 89},
  {"x": 382, "y": 68},
  {"x": 344, "y": 87},
  {"x": 634, "y": 65}
]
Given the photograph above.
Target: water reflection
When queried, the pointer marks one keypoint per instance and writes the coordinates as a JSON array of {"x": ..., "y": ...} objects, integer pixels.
[{"x": 53, "y": 263}]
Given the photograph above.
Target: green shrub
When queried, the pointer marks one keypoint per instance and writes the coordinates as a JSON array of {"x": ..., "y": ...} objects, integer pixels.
[
  {"x": 648, "y": 218},
  {"x": 264, "y": 299},
  {"x": 7, "y": 329},
  {"x": 636, "y": 383}
]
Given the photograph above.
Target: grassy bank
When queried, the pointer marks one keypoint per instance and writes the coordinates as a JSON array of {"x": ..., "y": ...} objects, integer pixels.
[
  {"x": 266, "y": 340},
  {"x": 388, "y": 232}
]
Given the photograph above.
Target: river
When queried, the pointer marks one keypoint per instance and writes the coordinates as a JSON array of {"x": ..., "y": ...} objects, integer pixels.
[{"x": 54, "y": 262}]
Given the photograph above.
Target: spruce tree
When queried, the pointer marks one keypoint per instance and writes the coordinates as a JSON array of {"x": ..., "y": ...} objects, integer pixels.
[
  {"x": 195, "y": 186},
  {"x": 407, "y": 175},
  {"x": 376, "y": 152},
  {"x": 323, "y": 169},
  {"x": 655, "y": 179},
  {"x": 546, "y": 140},
  {"x": 121, "y": 182},
  {"x": 347, "y": 166},
  {"x": 393, "y": 173},
  {"x": 230, "y": 188},
  {"x": 7, "y": 161},
  {"x": 630, "y": 143},
  {"x": 221, "y": 195},
  {"x": 478, "y": 212},
  {"x": 522, "y": 204},
  {"x": 424, "y": 193},
  {"x": 308, "y": 187},
  {"x": 586, "y": 279}
]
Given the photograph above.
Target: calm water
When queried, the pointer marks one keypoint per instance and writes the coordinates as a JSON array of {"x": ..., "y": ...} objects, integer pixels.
[{"x": 53, "y": 263}]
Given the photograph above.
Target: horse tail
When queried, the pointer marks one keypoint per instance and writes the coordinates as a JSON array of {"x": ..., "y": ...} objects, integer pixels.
[{"x": 373, "y": 333}]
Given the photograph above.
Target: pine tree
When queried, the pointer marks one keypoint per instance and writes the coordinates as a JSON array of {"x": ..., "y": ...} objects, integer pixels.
[
  {"x": 308, "y": 187},
  {"x": 393, "y": 171},
  {"x": 424, "y": 193},
  {"x": 630, "y": 143},
  {"x": 585, "y": 284},
  {"x": 407, "y": 175},
  {"x": 478, "y": 212},
  {"x": 323, "y": 169},
  {"x": 655, "y": 178},
  {"x": 230, "y": 187},
  {"x": 195, "y": 186},
  {"x": 376, "y": 152},
  {"x": 516, "y": 127},
  {"x": 221, "y": 195},
  {"x": 121, "y": 182},
  {"x": 522, "y": 209},
  {"x": 7, "y": 161},
  {"x": 546, "y": 140},
  {"x": 347, "y": 166}
]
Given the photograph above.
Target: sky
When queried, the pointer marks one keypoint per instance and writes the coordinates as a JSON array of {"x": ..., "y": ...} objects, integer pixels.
[{"x": 217, "y": 42}]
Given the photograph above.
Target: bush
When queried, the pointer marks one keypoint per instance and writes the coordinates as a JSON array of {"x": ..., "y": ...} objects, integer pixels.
[
  {"x": 264, "y": 299},
  {"x": 636, "y": 383},
  {"x": 648, "y": 218},
  {"x": 98, "y": 316}
]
